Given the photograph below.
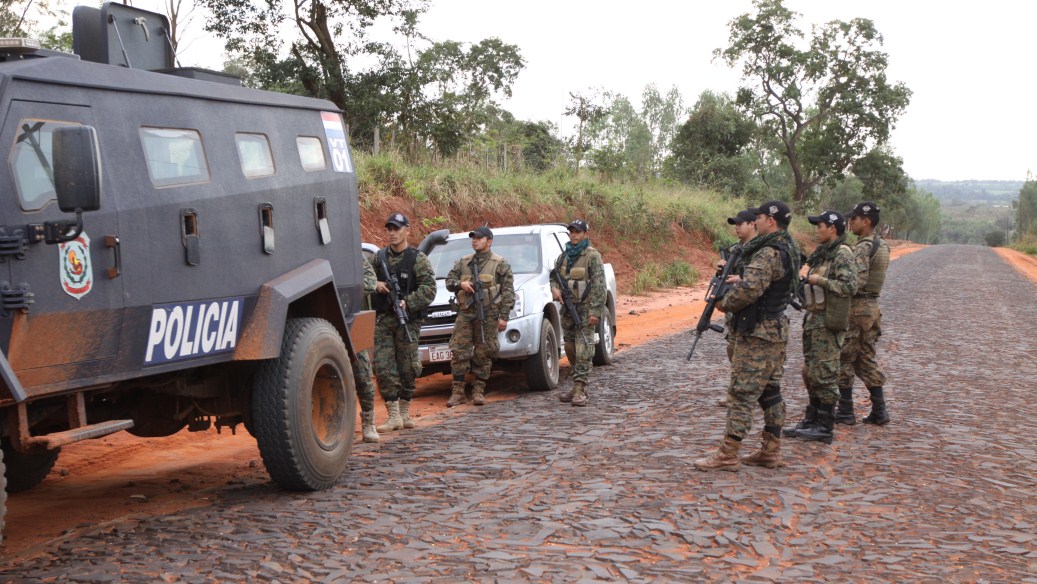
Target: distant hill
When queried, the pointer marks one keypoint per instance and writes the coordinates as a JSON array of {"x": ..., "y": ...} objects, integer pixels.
[{"x": 972, "y": 192}]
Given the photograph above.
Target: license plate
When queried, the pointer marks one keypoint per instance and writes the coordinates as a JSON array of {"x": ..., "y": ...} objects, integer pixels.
[{"x": 439, "y": 353}]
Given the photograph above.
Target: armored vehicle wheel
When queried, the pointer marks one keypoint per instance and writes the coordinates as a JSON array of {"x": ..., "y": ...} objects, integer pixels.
[
  {"x": 606, "y": 347},
  {"x": 542, "y": 369},
  {"x": 25, "y": 471},
  {"x": 304, "y": 407}
]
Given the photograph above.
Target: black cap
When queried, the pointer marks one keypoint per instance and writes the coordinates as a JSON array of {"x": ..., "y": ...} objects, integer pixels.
[
  {"x": 866, "y": 208},
  {"x": 578, "y": 225},
  {"x": 744, "y": 216},
  {"x": 483, "y": 231},
  {"x": 397, "y": 219},
  {"x": 833, "y": 218},
  {"x": 777, "y": 209}
]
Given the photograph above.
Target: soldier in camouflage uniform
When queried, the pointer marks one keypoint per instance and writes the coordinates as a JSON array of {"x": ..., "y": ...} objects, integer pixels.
[
  {"x": 470, "y": 347},
  {"x": 362, "y": 366},
  {"x": 745, "y": 230},
  {"x": 871, "y": 255},
  {"x": 583, "y": 271},
  {"x": 396, "y": 360},
  {"x": 757, "y": 301},
  {"x": 830, "y": 282}
]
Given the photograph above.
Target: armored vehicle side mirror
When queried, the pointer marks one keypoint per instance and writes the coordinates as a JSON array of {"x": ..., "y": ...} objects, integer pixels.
[
  {"x": 432, "y": 240},
  {"x": 77, "y": 179}
]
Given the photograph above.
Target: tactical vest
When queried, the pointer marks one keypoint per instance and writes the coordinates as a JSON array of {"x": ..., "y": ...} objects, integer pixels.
[
  {"x": 814, "y": 295},
  {"x": 775, "y": 298},
  {"x": 577, "y": 278},
  {"x": 878, "y": 262},
  {"x": 404, "y": 272},
  {"x": 487, "y": 275}
]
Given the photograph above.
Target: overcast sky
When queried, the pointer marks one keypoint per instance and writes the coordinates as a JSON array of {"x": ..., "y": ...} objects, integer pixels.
[{"x": 970, "y": 115}]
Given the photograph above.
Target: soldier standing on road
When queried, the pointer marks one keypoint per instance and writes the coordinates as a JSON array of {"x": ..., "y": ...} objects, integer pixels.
[
  {"x": 362, "y": 366},
  {"x": 473, "y": 345},
  {"x": 757, "y": 301},
  {"x": 396, "y": 359},
  {"x": 830, "y": 283},
  {"x": 871, "y": 255},
  {"x": 583, "y": 272},
  {"x": 745, "y": 230}
]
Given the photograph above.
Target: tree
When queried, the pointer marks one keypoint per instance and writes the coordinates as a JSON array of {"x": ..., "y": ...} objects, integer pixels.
[
  {"x": 828, "y": 103},
  {"x": 309, "y": 40},
  {"x": 587, "y": 112},
  {"x": 713, "y": 148},
  {"x": 882, "y": 177}
]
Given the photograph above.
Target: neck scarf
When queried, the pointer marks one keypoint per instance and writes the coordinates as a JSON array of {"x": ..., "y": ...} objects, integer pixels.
[
  {"x": 573, "y": 252},
  {"x": 826, "y": 251}
]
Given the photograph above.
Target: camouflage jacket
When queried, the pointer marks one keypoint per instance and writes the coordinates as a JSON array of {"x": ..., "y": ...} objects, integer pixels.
[
  {"x": 594, "y": 302},
  {"x": 763, "y": 269},
  {"x": 503, "y": 280},
  {"x": 424, "y": 285}
]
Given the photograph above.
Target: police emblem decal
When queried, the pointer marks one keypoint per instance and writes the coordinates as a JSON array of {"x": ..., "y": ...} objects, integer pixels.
[{"x": 77, "y": 273}]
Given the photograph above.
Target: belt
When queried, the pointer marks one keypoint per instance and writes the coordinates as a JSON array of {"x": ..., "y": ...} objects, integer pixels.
[{"x": 866, "y": 295}]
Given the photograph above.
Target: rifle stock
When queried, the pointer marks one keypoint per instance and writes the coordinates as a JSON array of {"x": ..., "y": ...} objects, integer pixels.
[{"x": 716, "y": 290}]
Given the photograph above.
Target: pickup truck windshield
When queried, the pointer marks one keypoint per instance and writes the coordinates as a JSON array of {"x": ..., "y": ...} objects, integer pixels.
[{"x": 522, "y": 252}]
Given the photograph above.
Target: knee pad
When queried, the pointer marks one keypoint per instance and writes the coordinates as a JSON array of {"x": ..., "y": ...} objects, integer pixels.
[{"x": 770, "y": 398}]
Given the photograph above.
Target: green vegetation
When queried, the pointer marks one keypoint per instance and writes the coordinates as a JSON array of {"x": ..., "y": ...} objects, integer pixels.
[
  {"x": 654, "y": 276},
  {"x": 642, "y": 214}
]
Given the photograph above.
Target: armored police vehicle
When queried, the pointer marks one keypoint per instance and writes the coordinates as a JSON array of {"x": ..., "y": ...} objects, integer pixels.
[{"x": 175, "y": 251}]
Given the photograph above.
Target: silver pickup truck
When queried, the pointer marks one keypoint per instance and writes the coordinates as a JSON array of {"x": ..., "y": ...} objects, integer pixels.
[{"x": 533, "y": 338}]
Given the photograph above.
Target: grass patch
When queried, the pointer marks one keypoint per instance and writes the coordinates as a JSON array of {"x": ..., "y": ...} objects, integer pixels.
[{"x": 654, "y": 276}]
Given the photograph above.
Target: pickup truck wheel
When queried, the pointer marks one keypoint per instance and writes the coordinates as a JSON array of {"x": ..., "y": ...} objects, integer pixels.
[
  {"x": 542, "y": 368},
  {"x": 25, "y": 471},
  {"x": 304, "y": 407},
  {"x": 606, "y": 347}
]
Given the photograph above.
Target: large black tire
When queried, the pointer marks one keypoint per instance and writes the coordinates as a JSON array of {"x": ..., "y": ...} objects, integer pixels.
[
  {"x": 606, "y": 347},
  {"x": 25, "y": 471},
  {"x": 304, "y": 407},
  {"x": 542, "y": 369}
]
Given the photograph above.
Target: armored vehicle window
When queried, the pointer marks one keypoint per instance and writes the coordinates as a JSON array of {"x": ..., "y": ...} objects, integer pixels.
[
  {"x": 30, "y": 161},
  {"x": 311, "y": 153},
  {"x": 175, "y": 157},
  {"x": 254, "y": 154}
]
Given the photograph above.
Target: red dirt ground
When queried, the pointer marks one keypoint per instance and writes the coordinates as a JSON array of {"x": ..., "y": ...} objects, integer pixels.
[{"x": 118, "y": 476}]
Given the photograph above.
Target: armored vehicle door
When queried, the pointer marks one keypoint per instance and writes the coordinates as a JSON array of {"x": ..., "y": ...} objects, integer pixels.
[{"x": 62, "y": 303}]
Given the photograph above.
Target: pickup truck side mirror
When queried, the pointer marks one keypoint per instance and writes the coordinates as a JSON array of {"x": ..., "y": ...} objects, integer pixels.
[{"x": 77, "y": 179}]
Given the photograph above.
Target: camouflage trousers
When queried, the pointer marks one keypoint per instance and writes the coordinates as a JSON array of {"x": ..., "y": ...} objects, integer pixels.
[
  {"x": 858, "y": 353},
  {"x": 396, "y": 361},
  {"x": 362, "y": 376},
  {"x": 756, "y": 370},
  {"x": 579, "y": 348},
  {"x": 469, "y": 351},
  {"x": 821, "y": 350}
]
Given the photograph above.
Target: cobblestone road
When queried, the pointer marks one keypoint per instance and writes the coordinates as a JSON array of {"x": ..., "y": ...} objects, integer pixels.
[{"x": 531, "y": 490}]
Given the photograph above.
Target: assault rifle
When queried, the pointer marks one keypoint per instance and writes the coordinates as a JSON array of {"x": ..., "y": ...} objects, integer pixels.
[
  {"x": 395, "y": 295},
  {"x": 569, "y": 303},
  {"x": 477, "y": 298},
  {"x": 716, "y": 290}
]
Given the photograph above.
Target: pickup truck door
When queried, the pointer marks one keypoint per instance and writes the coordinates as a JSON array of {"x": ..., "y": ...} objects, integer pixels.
[{"x": 62, "y": 307}]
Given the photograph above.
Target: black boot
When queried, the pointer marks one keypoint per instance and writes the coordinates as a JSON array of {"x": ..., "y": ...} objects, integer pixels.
[
  {"x": 845, "y": 414},
  {"x": 878, "y": 415},
  {"x": 821, "y": 431},
  {"x": 809, "y": 419}
]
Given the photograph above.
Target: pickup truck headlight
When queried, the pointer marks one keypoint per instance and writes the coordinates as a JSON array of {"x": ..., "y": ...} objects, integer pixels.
[{"x": 516, "y": 312}]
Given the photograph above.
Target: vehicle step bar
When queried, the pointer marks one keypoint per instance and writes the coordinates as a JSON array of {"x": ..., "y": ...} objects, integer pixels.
[{"x": 59, "y": 439}]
